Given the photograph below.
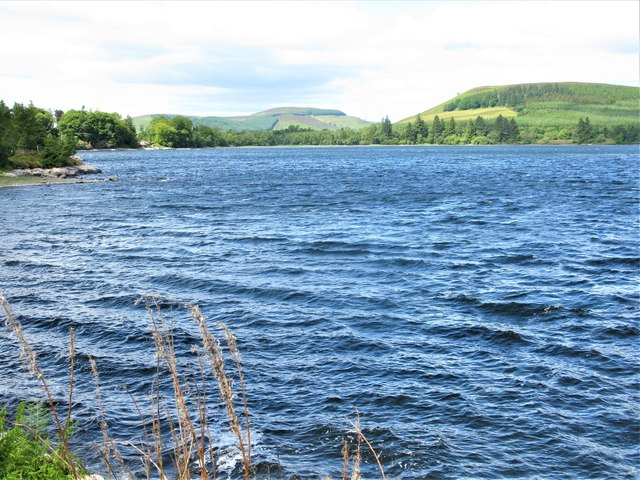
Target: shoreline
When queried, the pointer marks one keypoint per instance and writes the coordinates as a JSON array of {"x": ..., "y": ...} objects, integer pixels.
[
  {"x": 550, "y": 144},
  {"x": 24, "y": 177},
  {"x": 34, "y": 181}
]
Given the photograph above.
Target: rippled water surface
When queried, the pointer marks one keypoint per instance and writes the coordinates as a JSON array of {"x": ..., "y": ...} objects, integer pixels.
[{"x": 478, "y": 306}]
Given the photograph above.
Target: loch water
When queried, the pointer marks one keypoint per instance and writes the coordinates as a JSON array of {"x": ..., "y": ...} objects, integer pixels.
[{"x": 478, "y": 306}]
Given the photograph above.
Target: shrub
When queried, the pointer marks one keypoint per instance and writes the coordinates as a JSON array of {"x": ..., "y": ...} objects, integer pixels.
[
  {"x": 26, "y": 450},
  {"x": 57, "y": 151}
]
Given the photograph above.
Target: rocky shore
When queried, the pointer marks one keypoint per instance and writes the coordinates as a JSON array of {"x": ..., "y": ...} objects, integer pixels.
[
  {"x": 48, "y": 176},
  {"x": 60, "y": 172}
]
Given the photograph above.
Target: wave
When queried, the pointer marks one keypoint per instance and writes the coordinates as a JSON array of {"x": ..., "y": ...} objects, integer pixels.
[
  {"x": 621, "y": 331},
  {"x": 488, "y": 334},
  {"x": 614, "y": 261},
  {"x": 512, "y": 309},
  {"x": 573, "y": 351}
]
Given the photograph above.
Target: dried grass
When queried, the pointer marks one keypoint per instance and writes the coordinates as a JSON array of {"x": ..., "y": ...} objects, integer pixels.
[{"x": 187, "y": 421}]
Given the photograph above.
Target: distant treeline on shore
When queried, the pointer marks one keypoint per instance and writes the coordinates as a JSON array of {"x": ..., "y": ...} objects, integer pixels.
[
  {"x": 180, "y": 132},
  {"x": 55, "y": 135}
]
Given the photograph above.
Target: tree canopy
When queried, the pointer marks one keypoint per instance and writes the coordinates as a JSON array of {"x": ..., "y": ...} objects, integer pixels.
[{"x": 99, "y": 129}]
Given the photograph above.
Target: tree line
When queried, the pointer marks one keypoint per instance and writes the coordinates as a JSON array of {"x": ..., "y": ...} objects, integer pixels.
[
  {"x": 55, "y": 136},
  {"x": 180, "y": 132}
]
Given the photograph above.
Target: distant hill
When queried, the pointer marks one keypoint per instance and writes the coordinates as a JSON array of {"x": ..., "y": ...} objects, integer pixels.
[
  {"x": 543, "y": 104},
  {"x": 272, "y": 119}
]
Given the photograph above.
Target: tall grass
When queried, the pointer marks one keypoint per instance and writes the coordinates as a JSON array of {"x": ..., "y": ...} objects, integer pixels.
[
  {"x": 182, "y": 424},
  {"x": 30, "y": 355}
]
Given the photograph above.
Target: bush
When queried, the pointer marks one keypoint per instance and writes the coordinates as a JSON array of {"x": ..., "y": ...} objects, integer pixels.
[
  {"x": 57, "y": 151},
  {"x": 26, "y": 451}
]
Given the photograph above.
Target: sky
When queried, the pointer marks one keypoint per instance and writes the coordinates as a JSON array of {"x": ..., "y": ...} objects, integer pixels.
[{"x": 368, "y": 59}]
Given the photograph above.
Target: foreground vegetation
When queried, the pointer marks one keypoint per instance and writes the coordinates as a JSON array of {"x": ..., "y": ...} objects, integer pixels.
[
  {"x": 182, "y": 423},
  {"x": 27, "y": 449}
]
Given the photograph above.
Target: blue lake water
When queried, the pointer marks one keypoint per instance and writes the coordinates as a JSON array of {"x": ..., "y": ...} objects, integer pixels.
[{"x": 478, "y": 306}]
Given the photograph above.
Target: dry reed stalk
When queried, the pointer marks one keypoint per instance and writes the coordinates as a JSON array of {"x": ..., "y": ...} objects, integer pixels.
[
  {"x": 143, "y": 454},
  {"x": 233, "y": 348},
  {"x": 72, "y": 358},
  {"x": 106, "y": 454},
  {"x": 214, "y": 354},
  {"x": 345, "y": 459},
  {"x": 146, "y": 455},
  {"x": 156, "y": 425},
  {"x": 358, "y": 431},
  {"x": 109, "y": 445},
  {"x": 202, "y": 410},
  {"x": 355, "y": 471},
  {"x": 185, "y": 436},
  {"x": 35, "y": 369}
]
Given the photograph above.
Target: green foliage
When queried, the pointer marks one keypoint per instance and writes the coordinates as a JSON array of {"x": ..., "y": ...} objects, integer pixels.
[
  {"x": 26, "y": 450},
  {"x": 385, "y": 127},
  {"x": 258, "y": 123},
  {"x": 28, "y": 138},
  {"x": 29, "y": 127},
  {"x": 176, "y": 132},
  {"x": 57, "y": 151},
  {"x": 519, "y": 96},
  {"x": 552, "y": 106},
  {"x": 99, "y": 129},
  {"x": 5, "y": 125}
]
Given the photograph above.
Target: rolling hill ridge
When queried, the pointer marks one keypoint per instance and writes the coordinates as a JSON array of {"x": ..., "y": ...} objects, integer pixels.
[
  {"x": 543, "y": 104},
  {"x": 273, "y": 119}
]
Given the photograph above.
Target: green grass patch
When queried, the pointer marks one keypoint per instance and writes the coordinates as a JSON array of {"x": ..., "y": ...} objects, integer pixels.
[
  {"x": 564, "y": 113},
  {"x": 259, "y": 123},
  {"x": 486, "y": 113},
  {"x": 33, "y": 180},
  {"x": 304, "y": 122},
  {"x": 26, "y": 159},
  {"x": 345, "y": 121},
  {"x": 15, "y": 181}
]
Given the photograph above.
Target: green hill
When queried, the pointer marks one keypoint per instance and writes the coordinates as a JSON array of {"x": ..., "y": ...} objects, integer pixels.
[
  {"x": 272, "y": 119},
  {"x": 543, "y": 104}
]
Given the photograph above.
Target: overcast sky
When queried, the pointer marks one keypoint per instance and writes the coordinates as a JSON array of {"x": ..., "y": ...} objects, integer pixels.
[{"x": 369, "y": 59}]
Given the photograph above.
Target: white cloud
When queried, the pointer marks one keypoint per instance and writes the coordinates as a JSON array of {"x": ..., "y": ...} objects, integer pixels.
[{"x": 369, "y": 59}]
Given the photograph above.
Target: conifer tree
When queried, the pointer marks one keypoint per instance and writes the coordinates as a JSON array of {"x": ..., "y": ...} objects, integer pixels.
[
  {"x": 385, "y": 127},
  {"x": 437, "y": 129},
  {"x": 421, "y": 127}
]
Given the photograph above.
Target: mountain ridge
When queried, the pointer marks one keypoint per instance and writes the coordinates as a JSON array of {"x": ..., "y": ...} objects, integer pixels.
[{"x": 277, "y": 118}]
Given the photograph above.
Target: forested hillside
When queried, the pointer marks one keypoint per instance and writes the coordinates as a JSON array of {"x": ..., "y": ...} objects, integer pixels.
[{"x": 550, "y": 112}]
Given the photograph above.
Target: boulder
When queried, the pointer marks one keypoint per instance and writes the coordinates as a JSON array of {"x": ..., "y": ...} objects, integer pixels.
[
  {"x": 86, "y": 169},
  {"x": 61, "y": 173}
]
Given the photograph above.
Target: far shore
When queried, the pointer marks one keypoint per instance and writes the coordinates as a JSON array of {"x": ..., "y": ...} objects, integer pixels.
[{"x": 558, "y": 143}]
